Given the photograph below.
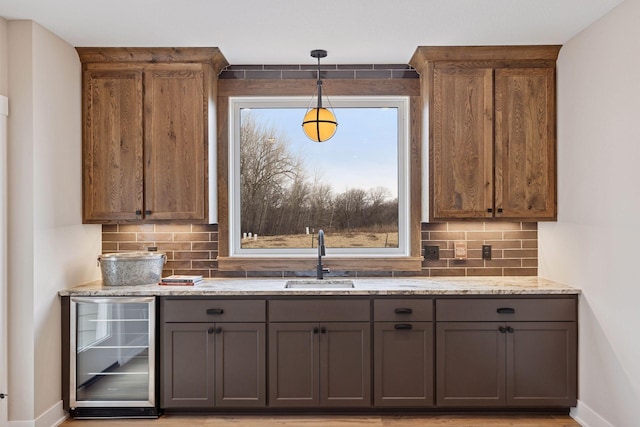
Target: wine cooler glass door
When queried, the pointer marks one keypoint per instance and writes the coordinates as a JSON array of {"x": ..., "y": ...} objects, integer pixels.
[{"x": 112, "y": 341}]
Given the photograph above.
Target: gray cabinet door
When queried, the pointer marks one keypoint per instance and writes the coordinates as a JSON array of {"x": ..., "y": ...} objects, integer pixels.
[
  {"x": 187, "y": 365},
  {"x": 293, "y": 364},
  {"x": 240, "y": 365},
  {"x": 470, "y": 364},
  {"x": 345, "y": 364},
  {"x": 513, "y": 364},
  {"x": 541, "y": 364},
  {"x": 403, "y": 364}
]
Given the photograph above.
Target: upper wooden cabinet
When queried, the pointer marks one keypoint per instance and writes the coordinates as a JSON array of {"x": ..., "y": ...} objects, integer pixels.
[
  {"x": 491, "y": 131},
  {"x": 149, "y": 134}
]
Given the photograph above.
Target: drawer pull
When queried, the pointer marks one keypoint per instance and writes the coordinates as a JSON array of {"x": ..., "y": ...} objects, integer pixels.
[
  {"x": 506, "y": 310},
  {"x": 403, "y": 311},
  {"x": 509, "y": 329},
  {"x": 402, "y": 326},
  {"x": 215, "y": 311},
  {"x": 210, "y": 331},
  {"x": 316, "y": 330},
  {"x": 502, "y": 329},
  {"x": 323, "y": 330}
]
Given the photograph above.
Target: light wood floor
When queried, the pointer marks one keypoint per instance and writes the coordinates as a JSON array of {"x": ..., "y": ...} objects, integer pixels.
[{"x": 336, "y": 421}]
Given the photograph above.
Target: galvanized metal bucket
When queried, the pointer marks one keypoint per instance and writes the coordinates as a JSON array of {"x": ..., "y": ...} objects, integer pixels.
[{"x": 131, "y": 268}]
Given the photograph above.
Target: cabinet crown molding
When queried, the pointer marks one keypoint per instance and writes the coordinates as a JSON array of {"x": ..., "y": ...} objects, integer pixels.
[
  {"x": 426, "y": 54},
  {"x": 209, "y": 55}
]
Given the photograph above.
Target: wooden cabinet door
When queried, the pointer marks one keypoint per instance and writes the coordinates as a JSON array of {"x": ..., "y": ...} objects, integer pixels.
[
  {"x": 470, "y": 364},
  {"x": 240, "y": 365},
  {"x": 345, "y": 364},
  {"x": 187, "y": 365},
  {"x": 403, "y": 364},
  {"x": 293, "y": 364},
  {"x": 112, "y": 145},
  {"x": 175, "y": 141},
  {"x": 461, "y": 134},
  {"x": 525, "y": 143},
  {"x": 541, "y": 364}
]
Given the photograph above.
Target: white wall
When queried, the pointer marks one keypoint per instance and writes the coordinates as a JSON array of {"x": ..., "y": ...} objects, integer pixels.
[
  {"x": 49, "y": 248},
  {"x": 3, "y": 218},
  {"x": 594, "y": 243}
]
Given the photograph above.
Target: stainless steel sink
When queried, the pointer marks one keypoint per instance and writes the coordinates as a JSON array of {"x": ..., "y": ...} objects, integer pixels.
[{"x": 320, "y": 284}]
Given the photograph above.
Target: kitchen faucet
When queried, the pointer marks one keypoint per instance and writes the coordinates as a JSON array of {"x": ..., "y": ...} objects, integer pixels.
[{"x": 321, "y": 251}]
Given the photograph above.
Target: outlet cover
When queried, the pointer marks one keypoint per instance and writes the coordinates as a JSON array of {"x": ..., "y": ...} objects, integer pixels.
[
  {"x": 460, "y": 250},
  {"x": 432, "y": 253},
  {"x": 486, "y": 252}
]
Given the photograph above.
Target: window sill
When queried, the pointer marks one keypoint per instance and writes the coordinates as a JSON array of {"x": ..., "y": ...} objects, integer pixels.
[{"x": 336, "y": 264}]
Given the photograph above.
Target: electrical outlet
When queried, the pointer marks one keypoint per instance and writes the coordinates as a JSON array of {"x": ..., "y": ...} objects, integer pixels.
[
  {"x": 486, "y": 252},
  {"x": 432, "y": 253}
]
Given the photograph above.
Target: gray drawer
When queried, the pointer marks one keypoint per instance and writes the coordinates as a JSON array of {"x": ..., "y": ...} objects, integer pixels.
[
  {"x": 507, "y": 309},
  {"x": 319, "y": 310},
  {"x": 213, "y": 310},
  {"x": 403, "y": 310}
]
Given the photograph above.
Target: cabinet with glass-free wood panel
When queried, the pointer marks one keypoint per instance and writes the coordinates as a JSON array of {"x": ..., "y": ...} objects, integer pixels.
[
  {"x": 492, "y": 143},
  {"x": 319, "y": 353},
  {"x": 505, "y": 352},
  {"x": 403, "y": 352},
  {"x": 148, "y": 134},
  {"x": 213, "y": 354}
]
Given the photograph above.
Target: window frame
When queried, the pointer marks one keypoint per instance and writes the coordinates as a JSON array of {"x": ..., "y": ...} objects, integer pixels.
[{"x": 400, "y": 102}]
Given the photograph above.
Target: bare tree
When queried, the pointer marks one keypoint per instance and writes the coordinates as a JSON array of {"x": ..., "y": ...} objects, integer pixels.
[{"x": 266, "y": 166}]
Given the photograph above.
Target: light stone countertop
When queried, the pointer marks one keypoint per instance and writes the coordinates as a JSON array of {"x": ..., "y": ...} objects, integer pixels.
[{"x": 363, "y": 286}]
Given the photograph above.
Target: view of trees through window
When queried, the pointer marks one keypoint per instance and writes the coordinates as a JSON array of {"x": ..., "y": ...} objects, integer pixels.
[{"x": 291, "y": 187}]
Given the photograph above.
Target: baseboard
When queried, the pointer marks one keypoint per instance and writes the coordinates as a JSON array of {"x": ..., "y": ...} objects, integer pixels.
[
  {"x": 52, "y": 417},
  {"x": 587, "y": 417}
]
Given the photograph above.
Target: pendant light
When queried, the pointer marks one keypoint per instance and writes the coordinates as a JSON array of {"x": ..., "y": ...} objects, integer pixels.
[{"x": 319, "y": 124}]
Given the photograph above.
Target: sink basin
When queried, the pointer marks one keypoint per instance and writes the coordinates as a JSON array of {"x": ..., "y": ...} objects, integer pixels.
[{"x": 320, "y": 284}]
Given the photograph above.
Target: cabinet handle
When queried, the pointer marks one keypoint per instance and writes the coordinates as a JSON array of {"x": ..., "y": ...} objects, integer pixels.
[
  {"x": 506, "y": 310},
  {"x": 147, "y": 212},
  {"x": 499, "y": 210},
  {"x": 3, "y": 395},
  {"x": 403, "y": 311},
  {"x": 509, "y": 329},
  {"x": 210, "y": 330},
  {"x": 217, "y": 330},
  {"x": 400, "y": 326},
  {"x": 215, "y": 311},
  {"x": 316, "y": 330},
  {"x": 323, "y": 330},
  {"x": 138, "y": 212},
  {"x": 489, "y": 210},
  {"x": 502, "y": 329}
]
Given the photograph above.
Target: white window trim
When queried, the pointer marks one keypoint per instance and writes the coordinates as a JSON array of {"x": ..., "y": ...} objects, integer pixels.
[{"x": 404, "y": 202}]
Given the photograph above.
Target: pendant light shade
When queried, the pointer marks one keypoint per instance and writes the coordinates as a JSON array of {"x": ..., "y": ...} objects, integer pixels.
[{"x": 319, "y": 124}]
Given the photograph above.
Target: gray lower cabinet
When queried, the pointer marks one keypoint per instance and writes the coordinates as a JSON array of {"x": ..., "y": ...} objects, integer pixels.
[
  {"x": 213, "y": 364},
  {"x": 403, "y": 364},
  {"x": 403, "y": 353},
  {"x": 363, "y": 352},
  {"x": 506, "y": 352},
  {"x": 315, "y": 363}
]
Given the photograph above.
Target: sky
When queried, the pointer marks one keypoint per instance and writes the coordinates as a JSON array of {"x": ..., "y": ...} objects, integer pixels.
[{"x": 362, "y": 153}]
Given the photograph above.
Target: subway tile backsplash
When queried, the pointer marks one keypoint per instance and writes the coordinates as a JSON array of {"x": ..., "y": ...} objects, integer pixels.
[
  {"x": 514, "y": 248},
  {"x": 193, "y": 248}
]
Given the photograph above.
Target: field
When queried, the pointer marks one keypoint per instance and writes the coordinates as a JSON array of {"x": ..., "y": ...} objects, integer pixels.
[{"x": 331, "y": 240}]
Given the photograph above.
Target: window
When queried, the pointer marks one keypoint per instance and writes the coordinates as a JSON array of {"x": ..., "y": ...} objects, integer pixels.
[{"x": 283, "y": 187}]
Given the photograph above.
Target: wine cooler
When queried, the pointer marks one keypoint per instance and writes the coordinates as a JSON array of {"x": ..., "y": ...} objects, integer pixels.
[{"x": 112, "y": 357}]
